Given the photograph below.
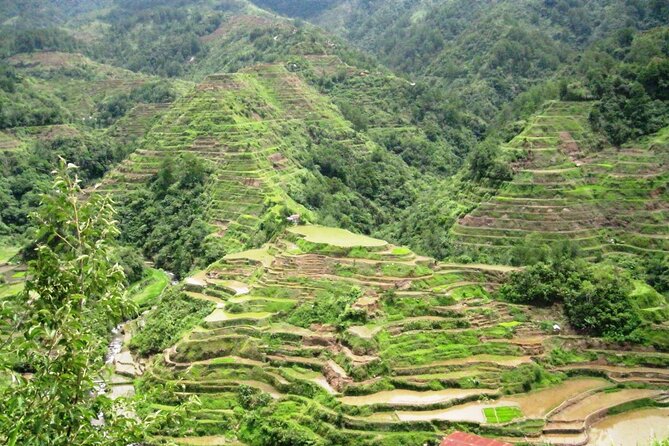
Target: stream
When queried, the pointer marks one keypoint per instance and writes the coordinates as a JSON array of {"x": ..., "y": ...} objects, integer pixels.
[
  {"x": 119, "y": 384},
  {"x": 121, "y": 361}
]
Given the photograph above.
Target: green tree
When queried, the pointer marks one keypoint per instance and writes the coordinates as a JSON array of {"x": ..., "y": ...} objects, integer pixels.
[
  {"x": 73, "y": 294},
  {"x": 602, "y": 305},
  {"x": 485, "y": 164},
  {"x": 596, "y": 297}
]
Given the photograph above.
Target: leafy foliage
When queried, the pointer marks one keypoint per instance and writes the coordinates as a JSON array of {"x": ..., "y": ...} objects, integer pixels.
[
  {"x": 115, "y": 106},
  {"x": 596, "y": 297},
  {"x": 37, "y": 39},
  {"x": 628, "y": 72},
  {"x": 657, "y": 270},
  {"x": 159, "y": 40},
  {"x": 27, "y": 173},
  {"x": 173, "y": 315},
  {"x": 484, "y": 164},
  {"x": 328, "y": 308},
  {"x": 165, "y": 219},
  {"x": 73, "y": 293}
]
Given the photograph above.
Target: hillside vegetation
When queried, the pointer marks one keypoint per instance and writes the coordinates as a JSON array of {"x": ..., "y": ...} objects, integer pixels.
[{"x": 333, "y": 222}]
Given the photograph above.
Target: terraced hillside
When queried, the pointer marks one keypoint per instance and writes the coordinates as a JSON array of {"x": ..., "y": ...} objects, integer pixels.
[
  {"x": 604, "y": 200},
  {"x": 77, "y": 82},
  {"x": 327, "y": 336},
  {"x": 253, "y": 127},
  {"x": 11, "y": 274}
]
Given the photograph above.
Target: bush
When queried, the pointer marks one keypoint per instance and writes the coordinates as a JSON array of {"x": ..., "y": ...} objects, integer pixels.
[
  {"x": 166, "y": 219},
  {"x": 131, "y": 262},
  {"x": 543, "y": 283},
  {"x": 602, "y": 305},
  {"x": 485, "y": 164},
  {"x": 163, "y": 325},
  {"x": 596, "y": 297},
  {"x": 657, "y": 272}
]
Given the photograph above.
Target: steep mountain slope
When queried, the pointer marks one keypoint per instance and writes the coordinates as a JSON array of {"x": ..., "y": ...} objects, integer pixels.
[
  {"x": 603, "y": 200},
  {"x": 226, "y": 121},
  {"x": 275, "y": 147},
  {"x": 483, "y": 53},
  {"x": 61, "y": 104}
]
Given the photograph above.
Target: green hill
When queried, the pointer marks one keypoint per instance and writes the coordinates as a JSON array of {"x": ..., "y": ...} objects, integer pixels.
[{"x": 483, "y": 53}]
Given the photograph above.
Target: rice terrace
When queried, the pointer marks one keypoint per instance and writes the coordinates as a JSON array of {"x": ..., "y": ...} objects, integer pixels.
[{"x": 334, "y": 223}]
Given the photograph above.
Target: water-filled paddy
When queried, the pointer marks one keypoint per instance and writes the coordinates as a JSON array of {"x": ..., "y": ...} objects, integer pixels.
[
  {"x": 220, "y": 315},
  {"x": 410, "y": 397},
  {"x": 602, "y": 400},
  {"x": 335, "y": 236},
  {"x": 260, "y": 255},
  {"x": 538, "y": 404},
  {"x": 631, "y": 428},
  {"x": 471, "y": 412},
  {"x": 239, "y": 288}
]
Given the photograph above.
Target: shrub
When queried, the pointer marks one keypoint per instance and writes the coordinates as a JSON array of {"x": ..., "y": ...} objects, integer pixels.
[
  {"x": 596, "y": 297},
  {"x": 163, "y": 325}
]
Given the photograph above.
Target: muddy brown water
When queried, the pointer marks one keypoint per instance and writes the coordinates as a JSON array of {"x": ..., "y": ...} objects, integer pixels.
[
  {"x": 533, "y": 405},
  {"x": 411, "y": 398},
  {"x": 601, "y": 400},
  {"x": 471, "y": 412},
  {"x": 639, "y": 427},
  {"x": 537, "y": 404}
]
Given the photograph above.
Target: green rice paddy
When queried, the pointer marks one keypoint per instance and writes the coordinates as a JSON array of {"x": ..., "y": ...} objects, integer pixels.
[
  {"x": 335, "y": 237},
  {"x": 498, "y": 415}
]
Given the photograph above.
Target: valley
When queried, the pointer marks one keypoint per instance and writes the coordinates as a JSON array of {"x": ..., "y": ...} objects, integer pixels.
[{"x": 356, "y": 223}]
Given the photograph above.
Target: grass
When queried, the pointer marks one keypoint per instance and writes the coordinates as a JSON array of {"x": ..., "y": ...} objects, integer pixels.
[
  {"x": 7, "y": 252},
  {"x": 150, "y": 288},
  {"x": 401, "y": 251},
  {"x": 335, "y": 237},
  {"x": 261, "y": 255},
  {"x": 10, "y": 290},
  {"x": 502, "y": 414}
]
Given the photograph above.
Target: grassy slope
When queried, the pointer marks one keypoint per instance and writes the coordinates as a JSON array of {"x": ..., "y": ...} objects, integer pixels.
[{"x": 145, "y": 292}]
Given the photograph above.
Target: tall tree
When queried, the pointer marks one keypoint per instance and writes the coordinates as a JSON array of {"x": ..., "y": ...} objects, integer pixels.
[{"x": 54, "y": 350}]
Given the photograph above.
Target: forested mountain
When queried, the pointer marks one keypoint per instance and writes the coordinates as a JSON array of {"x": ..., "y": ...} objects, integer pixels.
[
  {"x": 333, "y": 222},
  {"x": 484, "y": 53}
]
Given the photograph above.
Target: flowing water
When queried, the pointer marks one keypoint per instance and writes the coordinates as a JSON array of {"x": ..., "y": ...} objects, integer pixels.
[
  {"x": 117, "y": 385},
  {"x": 115, "y": 345}
]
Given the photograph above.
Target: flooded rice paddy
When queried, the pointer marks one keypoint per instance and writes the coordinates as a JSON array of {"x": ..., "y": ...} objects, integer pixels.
[
  {"x": 335, "y": 237},
  {"x": 413, "y": 398},
  {"x": 639, "y": 427},
  {"x": 602, "y": 400},
  {"x": 537, "y": 404}
]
